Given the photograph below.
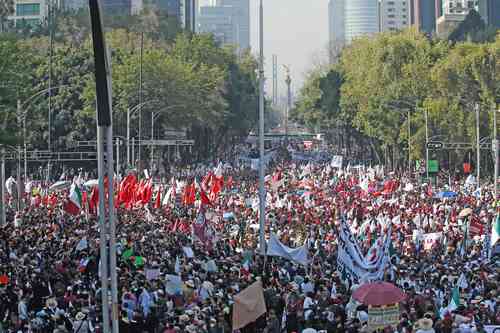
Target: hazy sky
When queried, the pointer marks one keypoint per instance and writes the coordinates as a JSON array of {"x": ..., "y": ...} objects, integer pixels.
[{"x": 296, "y": 31}]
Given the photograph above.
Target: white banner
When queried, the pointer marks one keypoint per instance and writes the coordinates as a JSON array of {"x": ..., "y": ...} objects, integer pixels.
[
  {"x": 353, "y": 266},
  {"x": 276, "y": 248},
  {"x": 337, "y": 162}
]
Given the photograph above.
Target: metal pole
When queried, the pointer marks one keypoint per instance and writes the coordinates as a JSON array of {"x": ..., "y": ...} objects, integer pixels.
[
  {"x": 152, "y": 138},
  {"x": 103, "y": 229},
  {"x": 409, "y": 144},
  {"x": 426, "y": 143},
  {"x": 128, "y": 136},
  {"x": 118, "y": 156},
  {"x": 140, "y": 97},
  {"x": 133, "y": 153},
  {"x": 495, "y": 152},
  {"x": 19, "y": 179},
  {"x": 50, "y": 76},
  {"x": 25, "y": 150},
  {"x": 112, "y": 230},
  {"x": 289, "y": 102},
  {"x": 478, "y": 147},
  {"x": 262, "y": 194},
  {"x": 3, "y": 220}
]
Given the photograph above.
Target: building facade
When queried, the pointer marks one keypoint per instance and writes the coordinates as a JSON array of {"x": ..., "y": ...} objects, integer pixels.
[
  {"x": 453, "y": 13},
  {"x": 188, "y": 12},
  {"x": 423, "y": 15},
  {"x": 394, "y": 15},
  {"x": 29, "y": 13},
  {"x": 228, "y": 21},
  {"x": 117, "y": 7},
  {"x": 361, "y": 17}
]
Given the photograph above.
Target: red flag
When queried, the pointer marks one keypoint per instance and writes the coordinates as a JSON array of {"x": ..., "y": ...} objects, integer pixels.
[
  {"x": 148, "y": 192},
  {"x": 94, "y": 200},
  {"x": 205, "y": 183},
  {"x": 204, "y": 199},
  {"x": 189, "y": 195},
  {"x": 157, "y": 204},
  {"x": 215, "y": 189}
]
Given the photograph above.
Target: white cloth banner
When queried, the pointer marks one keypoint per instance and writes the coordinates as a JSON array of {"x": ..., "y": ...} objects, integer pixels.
[
  {"x": 277, "y": 249},
  {"x": 353, "y": 266},
  {"x": 337, "y": 161}
]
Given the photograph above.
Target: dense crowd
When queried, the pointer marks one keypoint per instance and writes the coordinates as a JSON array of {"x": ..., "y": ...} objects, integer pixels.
[{"x": 168, "y": 282}]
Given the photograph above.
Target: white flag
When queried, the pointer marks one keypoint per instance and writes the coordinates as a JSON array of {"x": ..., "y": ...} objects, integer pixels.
[{"x": 276, "y": 248}]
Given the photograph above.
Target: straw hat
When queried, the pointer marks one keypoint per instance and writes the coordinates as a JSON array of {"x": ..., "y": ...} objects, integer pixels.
[{"x": 425, "y": 324}]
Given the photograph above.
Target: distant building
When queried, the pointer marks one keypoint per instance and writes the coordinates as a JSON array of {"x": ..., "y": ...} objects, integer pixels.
[
  {"x": 394, "y": 15},
  {"x": 490, "y": 12},
  {"x": 336, "y": 20},
  {"x": 228, "y": 21},
  {"x": 453, "y": 13},
  {"x": 423, "y": 15},
  {"x": 117, "y": 7},
  {"x": 188, "y": 10},
  {"x": 29, "y": 13},
  {"x": 361, "y": 18}
]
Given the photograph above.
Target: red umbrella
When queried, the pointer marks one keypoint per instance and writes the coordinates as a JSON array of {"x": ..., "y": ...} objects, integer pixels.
[{"x": 379, "y": 293}]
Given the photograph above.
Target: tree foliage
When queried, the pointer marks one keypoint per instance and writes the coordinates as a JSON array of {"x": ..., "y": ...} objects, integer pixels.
[
  {"x": 379, "y": 79},
  {"x": 188, "y": 81}
]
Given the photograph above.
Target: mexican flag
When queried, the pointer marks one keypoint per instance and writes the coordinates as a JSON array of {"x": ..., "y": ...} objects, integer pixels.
[
  {"x": 74, "y": 203},
  {"x": 495, "y": 231}
]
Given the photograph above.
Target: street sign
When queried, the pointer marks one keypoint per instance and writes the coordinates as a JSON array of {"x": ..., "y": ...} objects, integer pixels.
[
  {"x": 433, "y": 166},
  {"x": 435, "y": 145}
]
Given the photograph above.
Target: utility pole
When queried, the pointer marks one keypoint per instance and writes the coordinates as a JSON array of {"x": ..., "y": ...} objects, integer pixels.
[
  {"x": 478, "y": 147},
  {"x": 140, "y": 99},
  {"x": 152, "y": 145},
  {"x": 427, "y": 144},
  {"x": 288, "y": 81},
  {"x": 262, "y": 193},
  {"x": 495, "y": 151},
  {"x": 2, "y": 170},
  {"x": 275, "y": 80},
  {"x": 128, "y": 137},
  {"x": 51, "y": 53},
  {"x": 409, "y": 143}
]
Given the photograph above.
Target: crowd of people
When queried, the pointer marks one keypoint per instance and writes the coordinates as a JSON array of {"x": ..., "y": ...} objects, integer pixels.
[{"x": 168, "y": 281}]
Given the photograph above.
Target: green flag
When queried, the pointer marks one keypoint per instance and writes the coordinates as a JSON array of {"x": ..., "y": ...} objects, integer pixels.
[
  {"x": 455, "y": 300},
  {"x": 139, "y": 261},
  {"x": 127, "y": 254}
]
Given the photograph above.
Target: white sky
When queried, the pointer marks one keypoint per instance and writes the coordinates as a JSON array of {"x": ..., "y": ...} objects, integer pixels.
[{"x": 296, "y": 31}]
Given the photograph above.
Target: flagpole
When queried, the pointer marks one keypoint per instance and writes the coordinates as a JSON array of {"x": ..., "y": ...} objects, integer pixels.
[{"x": 262, "y": 194}]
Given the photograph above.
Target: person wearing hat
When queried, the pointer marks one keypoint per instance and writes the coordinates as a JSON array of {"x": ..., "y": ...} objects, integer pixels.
[
  {"x": 82, "y": 324},
  {"x": 424, "y": 325}
]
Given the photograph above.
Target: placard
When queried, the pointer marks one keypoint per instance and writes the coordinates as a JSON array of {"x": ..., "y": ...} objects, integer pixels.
[{"x": 383, "y": 316}]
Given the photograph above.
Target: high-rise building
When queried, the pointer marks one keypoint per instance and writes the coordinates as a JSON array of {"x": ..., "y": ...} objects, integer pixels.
[
  {"x": 490, "y": 12},
  {"x": 336, "y": 21},
  {"x": 188, "y": 9},
  {"x": 423, "y": 15},
  {"x": 394, "y": 14},
  {"x": 117, "y": 7},
  {"x": 361, "y": 18},
  {"x": 242, "y": 18},
  {"x": 453, "y": 13},
  {"x": 228, "y": 21},
  {"x": 29, "y": 13}
]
